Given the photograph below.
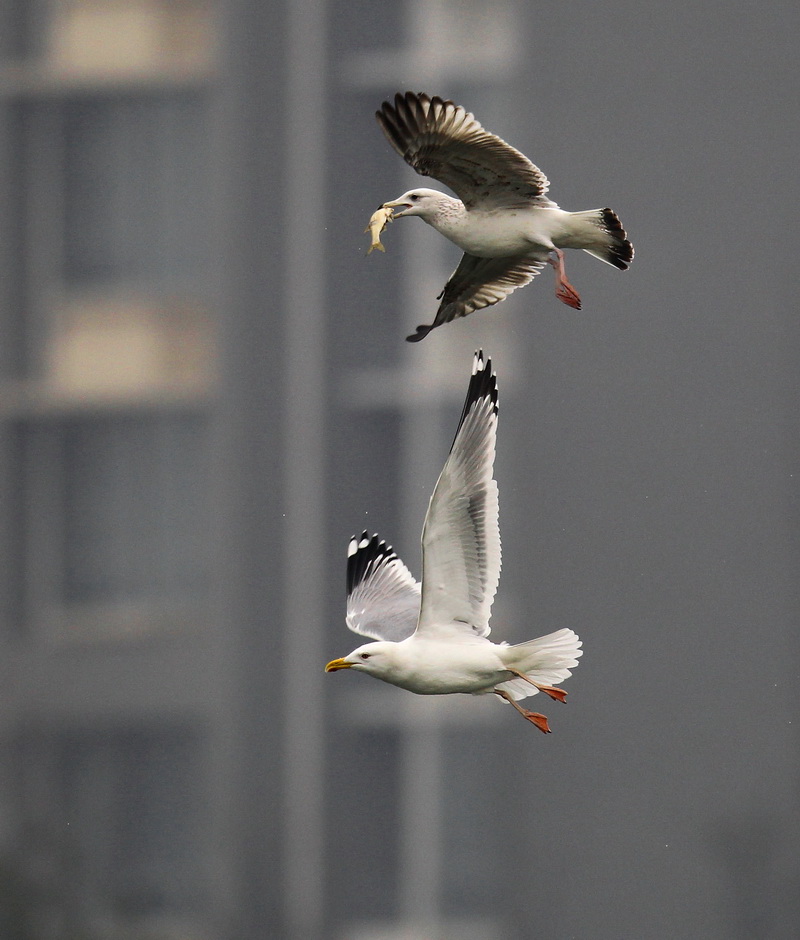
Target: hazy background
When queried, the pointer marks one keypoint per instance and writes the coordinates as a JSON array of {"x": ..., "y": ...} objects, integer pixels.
[{"x": 204, "y": 391}]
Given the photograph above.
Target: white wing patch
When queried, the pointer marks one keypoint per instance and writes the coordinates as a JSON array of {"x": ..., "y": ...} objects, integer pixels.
[
  {"x": 461, "y": 538},
  {"x": 382, "y": 595}
]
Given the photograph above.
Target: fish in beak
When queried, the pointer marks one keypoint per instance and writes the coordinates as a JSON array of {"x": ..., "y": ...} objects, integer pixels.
[
  {"x": 377, "y": 223},
  {"x": 396, "y": 204}
]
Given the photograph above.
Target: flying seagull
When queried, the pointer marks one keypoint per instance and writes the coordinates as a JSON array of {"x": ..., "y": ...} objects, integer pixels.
[
  {"x": 502, "y": 220},
  {"x": 432, "y": 637}
]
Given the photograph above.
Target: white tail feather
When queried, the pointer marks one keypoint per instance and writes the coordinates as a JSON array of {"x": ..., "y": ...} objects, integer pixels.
[
  {"x": 600, "y": 233},
  {"x": 547, "y": 660}
]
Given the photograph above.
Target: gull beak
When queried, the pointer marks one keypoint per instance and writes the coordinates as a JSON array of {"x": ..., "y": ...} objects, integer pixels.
[
  {"x": 337, "y": 664},
  {"x": 393, "y": 205}
]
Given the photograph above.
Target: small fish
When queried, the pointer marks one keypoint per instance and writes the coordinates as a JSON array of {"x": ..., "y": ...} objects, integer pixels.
[{"x": 377, "y": 223}]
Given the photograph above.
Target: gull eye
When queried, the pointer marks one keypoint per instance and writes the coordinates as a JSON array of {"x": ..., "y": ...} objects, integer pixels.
[
  {"x": 365, "y": 655},
  {"x": 414, "y": 197}
]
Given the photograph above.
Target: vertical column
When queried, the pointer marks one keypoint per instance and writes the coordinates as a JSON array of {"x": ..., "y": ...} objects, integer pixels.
[{"x": 304, "y": 417}]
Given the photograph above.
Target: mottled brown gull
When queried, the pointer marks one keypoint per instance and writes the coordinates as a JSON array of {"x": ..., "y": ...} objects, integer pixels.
[{"x": 502, "y": 219}]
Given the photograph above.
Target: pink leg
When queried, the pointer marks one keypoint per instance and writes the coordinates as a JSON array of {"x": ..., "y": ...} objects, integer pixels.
[{"x": 565, "y": 292}]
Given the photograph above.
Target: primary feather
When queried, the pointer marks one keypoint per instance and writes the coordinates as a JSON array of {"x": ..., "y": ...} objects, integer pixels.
[{"x": 382, "y": 596}]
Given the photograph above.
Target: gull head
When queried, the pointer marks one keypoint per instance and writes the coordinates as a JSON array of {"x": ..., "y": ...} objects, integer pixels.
[
  {"x": 377, "y": 659},
  {"x": 423, "y": 202}
]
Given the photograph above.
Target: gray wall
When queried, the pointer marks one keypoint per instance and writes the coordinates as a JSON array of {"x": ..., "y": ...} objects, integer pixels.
[{"x": 661, "y": 444}]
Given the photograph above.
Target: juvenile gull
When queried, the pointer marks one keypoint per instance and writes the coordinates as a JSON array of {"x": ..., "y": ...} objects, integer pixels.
[
  {"x": 504, "y": 223},
  {"x": 432, "y": 637}
]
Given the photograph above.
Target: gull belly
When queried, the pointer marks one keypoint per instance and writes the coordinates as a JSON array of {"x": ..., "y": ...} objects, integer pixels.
[
  {"x": 506, "y": 233},
  {"x": 442, "y": 667}
]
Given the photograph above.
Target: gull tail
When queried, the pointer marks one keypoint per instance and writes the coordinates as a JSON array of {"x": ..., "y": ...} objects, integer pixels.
[
  {"x": 610, "y": 243},
  {"x": 547, "y": 660}
]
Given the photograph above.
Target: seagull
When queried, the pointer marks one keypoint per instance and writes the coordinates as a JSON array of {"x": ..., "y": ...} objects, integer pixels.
[
  {"x": 503, "y": 221},
  {"x": 432, "y": 637}
]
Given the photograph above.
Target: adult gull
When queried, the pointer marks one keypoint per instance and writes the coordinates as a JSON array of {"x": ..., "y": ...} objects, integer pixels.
[
  {"x": 432, "y": 637},
  {"x": 502, "y": 219}
]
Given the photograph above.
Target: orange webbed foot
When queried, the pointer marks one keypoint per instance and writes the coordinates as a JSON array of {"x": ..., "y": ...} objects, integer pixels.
[
  {"x": 558, "y": 695},
  {"x": 539, "y": 720},
  {"x": 565, "y": 292},
  {"x": 534, "y": 717}
]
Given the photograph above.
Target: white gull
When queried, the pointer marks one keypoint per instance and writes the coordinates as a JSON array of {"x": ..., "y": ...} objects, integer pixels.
[{"x": 432, "y": 637}]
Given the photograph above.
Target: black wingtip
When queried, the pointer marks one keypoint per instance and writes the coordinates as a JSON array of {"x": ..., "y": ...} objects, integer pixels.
[
  {"x": 422, "y": 332},
  {"x": 482, "y": 385},
  {"x": 408, "y": 116},
  {"x": 363, "y": 554}
]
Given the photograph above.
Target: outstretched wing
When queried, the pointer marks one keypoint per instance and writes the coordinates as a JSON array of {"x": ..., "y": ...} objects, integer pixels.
[
  {"x": 461, "y": 536},
  {"x": 478, "y": 283},
  {"x": 382, "y": 596},
  {"x": 440, "y": 139}
]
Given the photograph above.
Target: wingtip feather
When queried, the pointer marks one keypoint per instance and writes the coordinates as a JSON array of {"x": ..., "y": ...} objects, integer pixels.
[
  {"x": 482, "y": 385},
  {"x": 364, "y": 553}
]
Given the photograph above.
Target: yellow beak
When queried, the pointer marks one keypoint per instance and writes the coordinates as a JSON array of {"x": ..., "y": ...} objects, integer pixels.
[{"x": 337, "y": 664}]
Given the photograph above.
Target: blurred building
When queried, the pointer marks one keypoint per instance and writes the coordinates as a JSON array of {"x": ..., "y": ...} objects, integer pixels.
[
  {"x": 109, "y": 389},
  {"x": 182, "y": 339},
  {"x": 204, "y": 391}
]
